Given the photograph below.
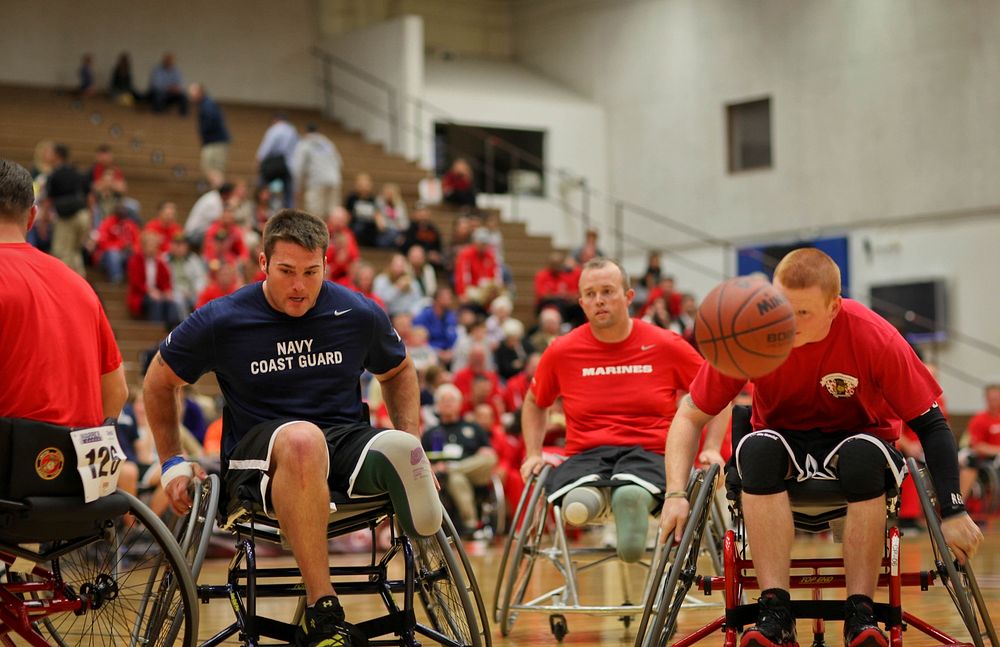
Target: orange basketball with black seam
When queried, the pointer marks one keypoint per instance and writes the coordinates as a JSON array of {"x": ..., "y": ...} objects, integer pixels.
[{"x": 745, "y": 327}]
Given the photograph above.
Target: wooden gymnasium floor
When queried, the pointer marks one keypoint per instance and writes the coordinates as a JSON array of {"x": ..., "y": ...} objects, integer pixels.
[{"x": 603, "y": 587}]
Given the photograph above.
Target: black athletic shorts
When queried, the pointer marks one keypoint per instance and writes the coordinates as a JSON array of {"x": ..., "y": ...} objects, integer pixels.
[
  {"x": 813, "y": 454},
  {"x": 245, "y": 473},
  {"x": 609, "y": 466}
]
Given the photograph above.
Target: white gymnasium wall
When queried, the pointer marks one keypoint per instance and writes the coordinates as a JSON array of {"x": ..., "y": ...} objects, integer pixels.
[
  {"x": 881, "y": 111},
  {"x": 505, "y": 95},
  {"x": 391, "y": 51},
  {"x": 242, "y": 51}
]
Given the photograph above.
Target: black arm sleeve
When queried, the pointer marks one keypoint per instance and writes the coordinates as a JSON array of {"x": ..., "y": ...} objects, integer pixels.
[{"x": 941, "y": 454}]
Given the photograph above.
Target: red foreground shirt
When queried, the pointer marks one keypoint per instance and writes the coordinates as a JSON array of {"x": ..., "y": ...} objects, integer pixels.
[
  {"x": 862, "y": 377},
  {"x": 616, "y": 394},
  {"x": 55, "y": 341}
]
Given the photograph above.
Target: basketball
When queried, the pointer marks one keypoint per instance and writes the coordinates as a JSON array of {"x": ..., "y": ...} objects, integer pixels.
[{"x": 745, "y": 327}]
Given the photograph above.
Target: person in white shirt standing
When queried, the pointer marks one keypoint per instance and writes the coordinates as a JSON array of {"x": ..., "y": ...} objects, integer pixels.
[{"x": 316, "y": 165}]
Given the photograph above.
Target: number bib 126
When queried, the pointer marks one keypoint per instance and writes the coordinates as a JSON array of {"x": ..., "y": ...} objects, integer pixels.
[{"x": 99, "y": 460}]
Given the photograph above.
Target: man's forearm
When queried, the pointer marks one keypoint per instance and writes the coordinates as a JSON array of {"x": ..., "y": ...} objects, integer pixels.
[
  {"x": 114, "y": 392},
  {"x": 682, "y": 443},
  {"x": 401, "y": 393},
  {"x": 532, "y": 426},
  {"x": 162, "y": 412},
  {"x": 715, "y": 431}
]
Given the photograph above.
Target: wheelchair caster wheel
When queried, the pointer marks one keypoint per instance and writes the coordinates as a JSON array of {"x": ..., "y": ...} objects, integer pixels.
[
  {"x": 819, "y": 640},
  {"x": 626, "y": 620},
  {"x": 558, "y": 626}
]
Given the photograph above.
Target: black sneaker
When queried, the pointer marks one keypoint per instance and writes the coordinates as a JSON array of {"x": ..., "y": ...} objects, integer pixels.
[
  {"x": 860, "y": 628},
  {"x": 323, "y": 626},
  {"x": 775, "y": 623}
]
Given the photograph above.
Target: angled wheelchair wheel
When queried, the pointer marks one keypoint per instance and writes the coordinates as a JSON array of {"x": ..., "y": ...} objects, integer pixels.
[
  {"x": 136, "y": 585},
  {"x": 494, "y": 507},
  {"x": 520, "y": 561},
  {"x": 526, "y": 495},
  {"x": 194, "y": 531},
  {"x": 958, "y": 579},
  {"x": 450, "y": 600},
  {"x": 680, "y": 561}
]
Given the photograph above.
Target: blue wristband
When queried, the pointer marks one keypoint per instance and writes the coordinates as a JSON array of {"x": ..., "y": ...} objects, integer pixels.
[{"x": 170, "y": 462}]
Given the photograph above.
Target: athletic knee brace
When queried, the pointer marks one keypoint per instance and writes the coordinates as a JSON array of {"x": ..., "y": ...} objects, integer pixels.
[
  {"x": 396, "y": 463},
  {"x": 861, "y": 467},
  {"x": 763, "y": 464}
]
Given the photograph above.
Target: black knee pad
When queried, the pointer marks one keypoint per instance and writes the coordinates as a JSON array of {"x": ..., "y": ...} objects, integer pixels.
[
  {"x": 763, "y": 464},
  {"x": 861, "y": 467}
]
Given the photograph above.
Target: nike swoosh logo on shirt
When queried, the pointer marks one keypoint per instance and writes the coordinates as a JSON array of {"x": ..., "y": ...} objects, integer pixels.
[
  {"x": 646, "y": 347},
  {"x": 337, "y": 313}
]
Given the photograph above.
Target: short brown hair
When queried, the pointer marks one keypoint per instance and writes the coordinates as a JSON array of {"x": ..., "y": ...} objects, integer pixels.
[
  {"x": 295, "y": 226},
  {"x": 598, "y": 262},
  {"x": 17, "y": 192},
  {"x": 809, "y": 267}
]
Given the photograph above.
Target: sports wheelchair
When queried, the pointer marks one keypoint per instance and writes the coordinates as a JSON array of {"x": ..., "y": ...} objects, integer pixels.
[
  {"x": 106, "y": 572},
  {"x": 818, "y": 506},
  {"x": 538, "y": 538},
  {"x": 434, "y": 570}
]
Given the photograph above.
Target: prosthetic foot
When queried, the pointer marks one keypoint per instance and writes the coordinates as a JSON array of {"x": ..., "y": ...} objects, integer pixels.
[{"x": 631, "y": 506}]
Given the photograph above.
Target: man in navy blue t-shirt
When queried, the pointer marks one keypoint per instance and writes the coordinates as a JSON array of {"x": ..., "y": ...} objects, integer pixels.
[{"x": 288, "y": 354}]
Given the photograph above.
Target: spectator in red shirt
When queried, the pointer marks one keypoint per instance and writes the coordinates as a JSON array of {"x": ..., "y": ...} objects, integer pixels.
[
  {"x": 104, "y": 162},
  {"x": 224, "y": 281},
  {"x": 477, "y": 273},
  {"x": 556, "y": 285},
  {"x": 343, "y": 251},
  {"x": 117, "y": 238},
  {"x": 457, "y": 184},
  {"x": 224, "y": 241},
  {"x": 165, "y": 224},
  {"x": 665, "y": 289},
  {"x": 363, "y": 280},
  {"x": 517, "y": 386},
  {"x": 149, "y": 291},
  {"x": 477, "y": 367}
]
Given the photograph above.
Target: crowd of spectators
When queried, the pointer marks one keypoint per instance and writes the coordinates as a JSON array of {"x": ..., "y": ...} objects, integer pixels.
[{"x": 450, "y": 294}]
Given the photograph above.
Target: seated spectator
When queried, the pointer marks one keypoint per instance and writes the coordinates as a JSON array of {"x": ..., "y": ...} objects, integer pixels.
[
  {"x": 684, "y": 321},
  {"x": 556, "y": 285},
  {"x": 441, "y": 321},
  {"x": 517, "y": 386},
  {"x": 343, "y": 252},
  {"x": 121, "y": 89},
  {"x": 363, "y": 281},
  {"x": 423, "y": 272},
  {"x": 420, "y": 351},
  {"x": 665, "y": 288},
  {"x": 104, "y": 164},
  {"x": 258, "y": 212},
  {"x": 149, "y": 286},
  {"x": 224, "y": 281},
  {"x": 462, "y": 453},
  {"x": 457, "y": 185},
  {"x": 479, "y": 361},
  {"x": 104, "y": 199},
  {"x": 425, "y": 234},
  {"x": 461, "y": 236},
  {"x": 500, "y": 312},
  {"x": 164, "y": 224},
  {"x": 511, "y": 355},
  {"x": 657, "y": 313},
  {"x": 188, "y": 274},
  {"x": 363, "y": 209},
  {"x": 647, "y": 281},
  {"x": 85, "y": 76},
  {"x": 224, "y": 242},
  {"x": 588, "y": 249},
  {"x": 391, "y": 219},
  {"x": 396, "y": 287},
  {"x": 166, "y": 87},
  {"x": 208, "y": 208},
  {"x": 117, "y": 237},
  {"x": 549, "y": 327},
  {"x": 316, "y": 165},
  {"x": 474, "y": 327},
  {"x": 477, "y": 273}
]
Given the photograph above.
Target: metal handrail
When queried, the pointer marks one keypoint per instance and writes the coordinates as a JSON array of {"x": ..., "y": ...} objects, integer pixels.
[{"x": 327, "y": 59}]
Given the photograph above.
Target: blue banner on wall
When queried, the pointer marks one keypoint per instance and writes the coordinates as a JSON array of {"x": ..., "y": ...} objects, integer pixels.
[{"x": 763, "y": 258}]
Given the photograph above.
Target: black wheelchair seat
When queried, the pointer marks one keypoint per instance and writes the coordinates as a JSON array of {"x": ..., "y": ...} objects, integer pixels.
[{"x": 42, "y": 519}]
